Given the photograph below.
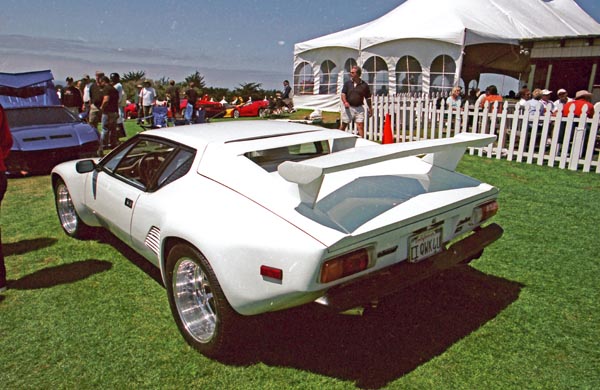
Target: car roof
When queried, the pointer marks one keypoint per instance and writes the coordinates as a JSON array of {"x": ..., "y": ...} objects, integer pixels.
[{"x": 200, "y": 135}]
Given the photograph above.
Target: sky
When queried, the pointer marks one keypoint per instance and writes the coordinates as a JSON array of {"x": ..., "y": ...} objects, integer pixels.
[{"x": 227, "y": 42}]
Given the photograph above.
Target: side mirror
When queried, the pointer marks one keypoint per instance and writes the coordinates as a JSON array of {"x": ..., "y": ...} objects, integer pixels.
[{"x": 85, "y": 166}]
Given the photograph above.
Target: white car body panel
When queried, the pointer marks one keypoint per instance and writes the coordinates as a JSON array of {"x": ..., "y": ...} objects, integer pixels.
[{"x": 241, "y": 217}]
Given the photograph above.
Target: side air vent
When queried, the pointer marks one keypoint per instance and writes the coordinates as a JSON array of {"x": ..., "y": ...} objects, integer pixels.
[
  {"x": 60, "y": 136},
  {"x": 153, "y": 239}
]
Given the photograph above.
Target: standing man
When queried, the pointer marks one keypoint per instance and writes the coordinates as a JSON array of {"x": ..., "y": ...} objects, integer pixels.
[
  {"x": 96, "y": 96},
  {"x": 6, "y": 142},
  {"x": 71, "y": 97},
  {"x": 354, "y": 93},
  {"x": 173, "y": 98},
  {"x": 190, "y": 110},
  {"x": 110, "y": 112},
  {"x": 115, "y": 80},
  {"x": 147, "y": 100},
  {"x": 85, "y": 93}
]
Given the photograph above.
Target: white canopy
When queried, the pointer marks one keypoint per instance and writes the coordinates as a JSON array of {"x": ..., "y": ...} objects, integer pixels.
[{"x": 426, "y": 28}]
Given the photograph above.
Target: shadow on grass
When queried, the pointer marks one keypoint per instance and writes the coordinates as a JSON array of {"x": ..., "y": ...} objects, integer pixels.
[
  {"x": 61, "y": 274},
  {"x": 138, "y": 260},
  {"x": 405, "y": 331},
  {"x": 24, "y": 246}
]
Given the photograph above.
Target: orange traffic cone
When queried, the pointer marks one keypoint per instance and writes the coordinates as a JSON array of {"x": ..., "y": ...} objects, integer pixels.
[{"x": 388, "y": 138}]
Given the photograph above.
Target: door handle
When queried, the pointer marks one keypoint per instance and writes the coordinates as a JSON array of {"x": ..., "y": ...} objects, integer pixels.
[{"x": 128, "y": 203}]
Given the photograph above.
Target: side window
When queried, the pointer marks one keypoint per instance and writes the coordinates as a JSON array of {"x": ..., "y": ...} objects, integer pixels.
[
  {"x": 179, "y": 166},
  {"x": 140, "y": 162},
  {"x": 269, "y": 159}
]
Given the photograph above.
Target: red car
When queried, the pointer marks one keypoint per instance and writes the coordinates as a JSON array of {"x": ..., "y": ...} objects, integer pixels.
[
  {"x": 131, "y": 111},
  {"x": 213, "y": 109},
  {"x": 254, "y": 108}
]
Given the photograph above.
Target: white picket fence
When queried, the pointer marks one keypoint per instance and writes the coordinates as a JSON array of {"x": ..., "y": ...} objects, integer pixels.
[{"x": 564, "y": 142}]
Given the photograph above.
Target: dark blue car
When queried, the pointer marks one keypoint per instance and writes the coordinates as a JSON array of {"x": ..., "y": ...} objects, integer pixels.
[{"x": 44, "y": 132}]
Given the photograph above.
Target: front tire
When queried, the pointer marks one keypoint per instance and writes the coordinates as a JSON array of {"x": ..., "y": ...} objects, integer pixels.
[
  {"x": 236, "y": 114},
  {"x": 204, "y": 317},
  {"x": 67, "y": 215}
]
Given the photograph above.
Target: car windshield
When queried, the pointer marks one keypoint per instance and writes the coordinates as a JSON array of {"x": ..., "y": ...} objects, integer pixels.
[
  {"x": 269, "y": 159},
  {"x": 35, "y": 116}
]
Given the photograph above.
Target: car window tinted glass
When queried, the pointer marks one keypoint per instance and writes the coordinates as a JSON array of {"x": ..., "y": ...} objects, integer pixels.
[
  {"x": 269, "y": 159},
  {"x": 36, "y": 116}
]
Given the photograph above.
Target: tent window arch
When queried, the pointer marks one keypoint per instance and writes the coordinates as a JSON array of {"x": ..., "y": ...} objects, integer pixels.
[
  {"x": 329, "y": 78},
  {"x": 409, "y": 75},
  {"x": 377, "y": 74},
  {"x": 443, "y": 70},
  {"x": 350, "y": 62},
  {"x": 304, "y": 80}
]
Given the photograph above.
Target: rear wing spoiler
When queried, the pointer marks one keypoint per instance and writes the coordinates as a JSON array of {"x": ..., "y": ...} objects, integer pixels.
[{"x": 444, "y": 153}]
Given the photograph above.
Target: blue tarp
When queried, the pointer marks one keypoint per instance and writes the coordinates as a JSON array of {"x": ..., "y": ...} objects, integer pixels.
[{"x": 28, "y": 89}]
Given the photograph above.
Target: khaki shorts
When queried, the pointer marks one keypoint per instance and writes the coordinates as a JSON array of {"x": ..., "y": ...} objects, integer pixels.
[{"x": 356, "y": 114}]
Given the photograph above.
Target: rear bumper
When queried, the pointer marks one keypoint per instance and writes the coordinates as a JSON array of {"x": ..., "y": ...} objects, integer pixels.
[{"x": 397, "y": 277}]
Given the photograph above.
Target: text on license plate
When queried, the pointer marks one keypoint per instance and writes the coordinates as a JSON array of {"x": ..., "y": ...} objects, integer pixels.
[{"x": 424, "y": 244}]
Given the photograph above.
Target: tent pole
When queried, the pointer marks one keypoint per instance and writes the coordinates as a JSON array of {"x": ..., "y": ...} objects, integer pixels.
[{"x": 460, "y": 60}]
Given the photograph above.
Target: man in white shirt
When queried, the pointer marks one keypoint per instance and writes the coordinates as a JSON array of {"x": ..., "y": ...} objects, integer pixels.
[
  {"x": 563, "y": 98},
  {"x": 147, "y": 100}
]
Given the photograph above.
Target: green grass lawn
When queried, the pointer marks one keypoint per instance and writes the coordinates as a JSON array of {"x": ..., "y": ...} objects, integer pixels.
[{"x": 526, "y": 315}]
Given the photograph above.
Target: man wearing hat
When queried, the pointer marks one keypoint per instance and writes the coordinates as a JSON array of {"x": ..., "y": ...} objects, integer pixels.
[
  {"x": 71, "y": 97},
  {"x": 546, "y": 102},
  {"x": 582, "y": 99},
  {"x": 563, "y": 98}
]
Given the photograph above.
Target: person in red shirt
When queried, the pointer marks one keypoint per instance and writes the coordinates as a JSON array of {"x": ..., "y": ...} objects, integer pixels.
[
  {"x": 6, "y": 142},
  {"x": 491, "y": 96},
  {"x": 582, "y": 98}
]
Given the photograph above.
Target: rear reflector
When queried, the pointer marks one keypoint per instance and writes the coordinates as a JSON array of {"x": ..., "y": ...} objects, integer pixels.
[
  {"x": 344, "y": 265},
  {"x": 271, "y": 272}
]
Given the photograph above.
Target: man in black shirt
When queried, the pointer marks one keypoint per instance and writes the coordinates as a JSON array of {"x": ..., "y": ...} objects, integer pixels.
[
  {"x": 173, "y": 98},
  {"x": 110, "y": 112},
  {"x": 71, "y": 97},
  {"x": 192, "y": 97},
  {"x": 354, "y": 93},
  {"x": 96, "y": 95}
]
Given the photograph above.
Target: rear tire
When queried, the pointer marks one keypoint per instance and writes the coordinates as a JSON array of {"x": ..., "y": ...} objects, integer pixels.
[
  {"x": 236, "y": 114},
  {"x": 67, "y": 215},
  {"x": 204, "y": 317}
]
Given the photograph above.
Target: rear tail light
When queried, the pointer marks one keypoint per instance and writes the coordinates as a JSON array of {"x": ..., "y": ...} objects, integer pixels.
[
  {"x": 347, "y": 264},
  {"x": 484, "y": 212}
]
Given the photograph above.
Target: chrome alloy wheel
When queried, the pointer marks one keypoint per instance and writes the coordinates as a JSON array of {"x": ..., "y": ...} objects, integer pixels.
[
  {"x": 194, "y": 300},
  {"x": 66, "y": 211}
]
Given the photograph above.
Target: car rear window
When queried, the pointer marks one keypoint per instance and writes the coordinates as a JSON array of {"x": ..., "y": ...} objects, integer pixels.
[
  {"x": 36, "y": 116},
  {"x": 269, "y": 159}
]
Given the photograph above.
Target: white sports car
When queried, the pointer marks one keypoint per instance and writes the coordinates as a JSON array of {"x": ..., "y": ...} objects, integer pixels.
[{"x": 244, "y": 218}]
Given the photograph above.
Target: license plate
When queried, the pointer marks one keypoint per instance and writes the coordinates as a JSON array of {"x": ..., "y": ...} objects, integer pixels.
[{"x": 424, "y": 244}]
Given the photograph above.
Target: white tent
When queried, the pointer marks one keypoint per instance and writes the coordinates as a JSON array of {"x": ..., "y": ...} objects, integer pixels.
[{"x": 428, "y": 45}]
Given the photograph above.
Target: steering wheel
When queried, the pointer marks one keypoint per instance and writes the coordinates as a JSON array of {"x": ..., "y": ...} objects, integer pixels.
[{"x": 147, "y": 167}]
